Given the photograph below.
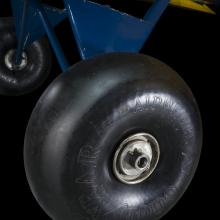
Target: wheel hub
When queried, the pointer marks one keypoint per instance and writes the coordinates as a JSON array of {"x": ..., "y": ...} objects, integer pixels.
[
  {"x": 10, "y": 60},
  {"x": 136, "y": 158}
]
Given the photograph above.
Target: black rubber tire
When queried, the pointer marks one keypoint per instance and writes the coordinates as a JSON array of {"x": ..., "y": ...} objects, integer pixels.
[
  {"x": 80, "y": 120},
  {"x": 20, "y": 82}
]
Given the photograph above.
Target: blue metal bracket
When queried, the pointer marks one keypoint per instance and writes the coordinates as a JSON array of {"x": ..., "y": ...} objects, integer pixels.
[
  {"x": 100, "y": 29},
  {"x": 34, "y": 29},
  {"x": 97, "y": 29},
  {"x": 34, "y": 20}
]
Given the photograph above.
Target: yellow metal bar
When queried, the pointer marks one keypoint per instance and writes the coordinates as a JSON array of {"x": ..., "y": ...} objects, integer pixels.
[
  {"x": 190, "y": 4},
  {"x": 197, "y": 5}
]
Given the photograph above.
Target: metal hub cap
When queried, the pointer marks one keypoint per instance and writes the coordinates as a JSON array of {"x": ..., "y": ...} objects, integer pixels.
[
  {"x": 10, "y": 63},
  {"x": 136, "y": 158}
]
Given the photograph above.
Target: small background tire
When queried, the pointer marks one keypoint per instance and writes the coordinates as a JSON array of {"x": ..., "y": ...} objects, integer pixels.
[
  {"x": 36, "y": 64},
  {"x": 79, "y": 123}
]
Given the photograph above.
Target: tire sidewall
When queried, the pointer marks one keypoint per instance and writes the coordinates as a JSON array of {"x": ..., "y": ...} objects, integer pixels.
[
  {"x": 85, "y": 114},
  {"x": 90, "y": 178},
  {"x": 19, "y": 82}
]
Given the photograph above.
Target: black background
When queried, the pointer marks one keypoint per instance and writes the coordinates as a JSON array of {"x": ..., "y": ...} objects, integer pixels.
[{"x": 189, "y": 42}]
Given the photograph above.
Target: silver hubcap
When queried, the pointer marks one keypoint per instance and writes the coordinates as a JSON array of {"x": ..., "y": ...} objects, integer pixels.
[
  {"x": 9, "y": 62},
  {"x": 136, "y": 158}
]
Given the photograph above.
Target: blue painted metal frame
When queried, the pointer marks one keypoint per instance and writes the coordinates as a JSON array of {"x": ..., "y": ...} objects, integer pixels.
[
  {"x": 33, "y": 20},
  {"x": 97, "y": 29}
]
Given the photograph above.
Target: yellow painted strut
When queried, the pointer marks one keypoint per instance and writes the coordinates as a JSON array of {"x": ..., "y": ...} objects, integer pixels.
[
  {"x": 197, "y": 5},
  {"x": 194, "y": 5}
]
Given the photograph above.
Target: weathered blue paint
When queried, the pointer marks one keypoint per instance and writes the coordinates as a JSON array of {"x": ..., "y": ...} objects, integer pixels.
[{"x": 97, "y": 29}]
